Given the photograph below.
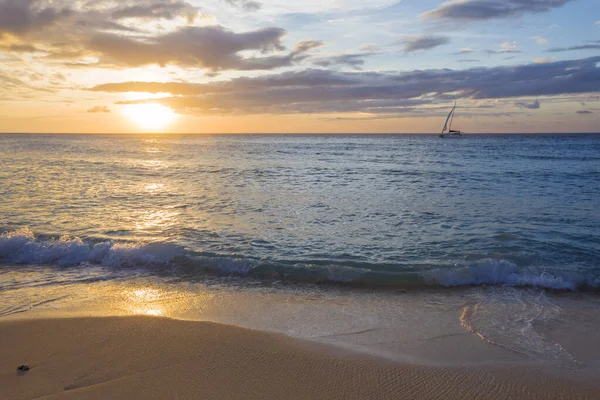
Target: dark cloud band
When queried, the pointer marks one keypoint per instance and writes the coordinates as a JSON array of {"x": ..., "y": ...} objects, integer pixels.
[
  {"x": 479, "y": 10},
  {"x": 322, "y": 91}
]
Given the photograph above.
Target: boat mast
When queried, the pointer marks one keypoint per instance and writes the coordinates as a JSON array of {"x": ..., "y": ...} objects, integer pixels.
[
  {"x": 452, "y": 117},
  {"x": 447, "y": 119}
]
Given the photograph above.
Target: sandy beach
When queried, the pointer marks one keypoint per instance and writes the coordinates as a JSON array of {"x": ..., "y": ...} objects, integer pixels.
[{"x": 160, "y": 358}]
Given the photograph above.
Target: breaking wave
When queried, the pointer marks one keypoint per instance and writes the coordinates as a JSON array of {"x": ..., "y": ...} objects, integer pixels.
[
  {"x": 22, "y": 247},
  {"x": 502, "y": 272}
]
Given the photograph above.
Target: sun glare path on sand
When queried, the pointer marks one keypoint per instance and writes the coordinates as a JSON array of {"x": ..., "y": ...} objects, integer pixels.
[{"x": 151, "y": 117}]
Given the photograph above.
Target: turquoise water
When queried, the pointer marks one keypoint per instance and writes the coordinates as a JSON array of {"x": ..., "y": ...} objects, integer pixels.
[{"x": 396, "y": 210}]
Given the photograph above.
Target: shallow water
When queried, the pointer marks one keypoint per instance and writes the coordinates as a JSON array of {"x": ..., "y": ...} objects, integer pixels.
[{"x": 439, "y": 327}]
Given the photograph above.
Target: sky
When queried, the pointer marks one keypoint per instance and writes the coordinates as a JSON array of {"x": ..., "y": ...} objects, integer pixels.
[{"x": 279, "y": 66}]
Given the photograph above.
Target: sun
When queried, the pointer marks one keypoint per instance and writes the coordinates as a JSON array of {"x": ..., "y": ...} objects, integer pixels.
[{"x": 150, "y": 117}]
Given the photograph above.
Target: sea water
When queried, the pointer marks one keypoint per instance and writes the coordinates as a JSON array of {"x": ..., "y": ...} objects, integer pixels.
[{"x": 348, "y": 220}]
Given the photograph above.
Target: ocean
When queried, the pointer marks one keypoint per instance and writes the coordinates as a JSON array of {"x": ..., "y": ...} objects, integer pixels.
[{"x": 347, "y": 237}]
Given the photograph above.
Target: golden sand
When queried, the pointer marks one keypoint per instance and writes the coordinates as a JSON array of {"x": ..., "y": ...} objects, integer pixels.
[{"x": 159, "y": 358}]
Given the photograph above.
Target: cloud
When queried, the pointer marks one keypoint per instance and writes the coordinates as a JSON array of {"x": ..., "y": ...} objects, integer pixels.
[
  {"x": 506, "y": 48},
  {"x": 21, "y": 16},
  {"x": 316, "y": 78},
  {"x": 212, "y": 47},
  {"x": 597, "y": 23},
  {"x": 329, "y": 7},
  {"x": 503, "y": 52},
  {"x": 468, "y": 60},
  {"x": 532, "y": 106},
  {"x": 10, "y": 81},
  {"x": 157, "y": 10},
  {"x": 480, "y": 10},
  {"x": 539, "y": 39},
  {"x": 326, "y": 91},
  {"x": 12, "y": 87},
  {"x": 99, "y": 109},
  {"x": 355, "y": 60},
  {"x": 58, "y": 77},
  {"x": 307, "y": 45},
  {"x": 591, "y": 45},
  {"x": 422, "y": 42},
  {"x": 544, "y": 60},
  {"x": 369, "y": 48},
  {"x": 245, "y": 5},
  {"x": 464, "y": 50},
  {"x": 584, "y": 112},
  {"x": 111, "y": 34},
  {"x": 20, "y": 48}
]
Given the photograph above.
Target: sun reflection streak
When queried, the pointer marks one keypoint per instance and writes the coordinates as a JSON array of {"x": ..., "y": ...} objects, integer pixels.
[
  {"x": 155, "y": 164},
  {"x": 142, "y": 301},
  {"x": 156, "y": 219},
  {"x": 162, "y": 302},
  {"x": 155, "y": 188}
]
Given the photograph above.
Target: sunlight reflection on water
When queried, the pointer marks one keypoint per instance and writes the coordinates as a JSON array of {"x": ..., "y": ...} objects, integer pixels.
[
  {"x": 155, "y": 188},
  {"x": 156, "y": 221}
]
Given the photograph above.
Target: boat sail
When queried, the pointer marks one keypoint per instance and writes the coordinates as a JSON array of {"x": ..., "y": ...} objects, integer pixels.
[{"x": 447, "y": 129}]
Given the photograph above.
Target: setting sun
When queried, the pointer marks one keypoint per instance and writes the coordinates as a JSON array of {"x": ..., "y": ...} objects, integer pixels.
[{"x": 149, "y": 116}]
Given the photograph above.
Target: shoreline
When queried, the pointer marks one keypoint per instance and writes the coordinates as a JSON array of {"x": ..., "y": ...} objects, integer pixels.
[{"x": 158, "y": 358}]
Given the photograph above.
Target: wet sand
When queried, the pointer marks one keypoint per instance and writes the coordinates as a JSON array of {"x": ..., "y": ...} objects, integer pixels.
[{"x": 160, "y": 358}]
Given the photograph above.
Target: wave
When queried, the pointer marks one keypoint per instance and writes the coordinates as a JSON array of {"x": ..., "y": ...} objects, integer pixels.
[
  {"x": 502, "y": 272},
  {"x": 22, "y": 247}
]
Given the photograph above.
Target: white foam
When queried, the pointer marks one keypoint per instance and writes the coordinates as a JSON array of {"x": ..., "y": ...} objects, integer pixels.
[
  {"x": 22, "y": 247},
  {"x": 502, "y": 272}
]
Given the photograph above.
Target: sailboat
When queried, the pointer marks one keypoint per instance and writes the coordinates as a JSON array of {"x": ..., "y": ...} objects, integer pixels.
[{"x": 447, "y": 129}]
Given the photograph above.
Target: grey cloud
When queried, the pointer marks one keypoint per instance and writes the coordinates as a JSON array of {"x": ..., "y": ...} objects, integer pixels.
[
  {"x": 422, "y": 42},
  {"x": 252, "y": 6},
  {"x": 590, "y": 46},
  {"x": 465, "y": 51},
  {"x": 102, "y": 29},
  {"x": 532, "y": 106},
  {"x": 307, "y": 45},
  {"x": 245, "y": 4},
  {"x": 22, "y": 16},
  {"x": 584, "y": 112},
  {"x": 93, "y": 21},
  {"x": 375, "y": 92},
  {"x": 157, "y": 10},
  {"x": 502, "y": 51},
  {"x": 355, "y": 61},
  {"x": 478, "y": 10},
  {"x": 287, "y": 79},
  {"x": 282, "y": 105},
  {"x": 212, "y": 47}
]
